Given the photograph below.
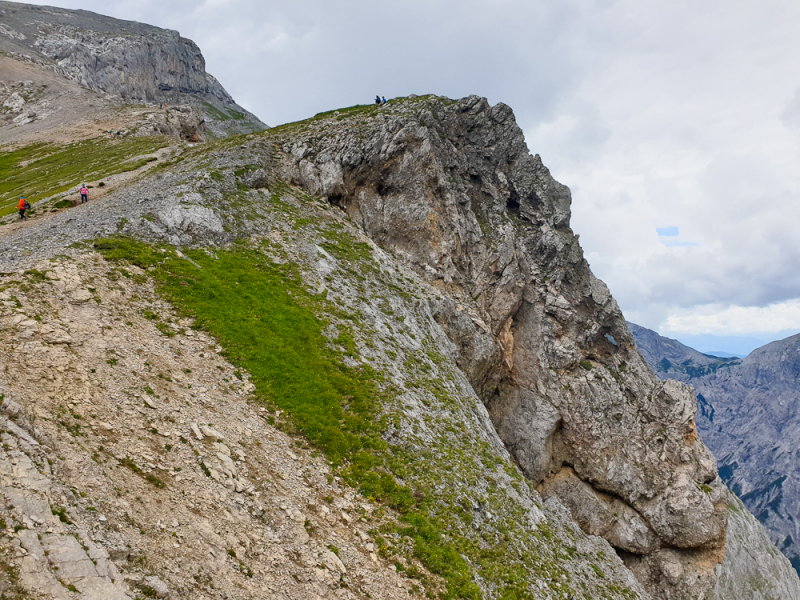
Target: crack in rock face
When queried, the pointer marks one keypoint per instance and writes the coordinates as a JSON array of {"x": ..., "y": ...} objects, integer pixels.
[{"x": 450, "y": 188}]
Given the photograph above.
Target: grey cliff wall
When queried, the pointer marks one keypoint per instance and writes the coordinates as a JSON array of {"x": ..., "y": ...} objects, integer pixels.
[
  {"x": 137, "y": 67},
  {"x": 450, "y": 188},
  {"x": 137, "y": 62}
]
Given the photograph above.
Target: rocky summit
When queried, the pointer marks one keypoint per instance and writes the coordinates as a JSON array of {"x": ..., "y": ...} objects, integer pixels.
[{"x": 357, "y": 356}]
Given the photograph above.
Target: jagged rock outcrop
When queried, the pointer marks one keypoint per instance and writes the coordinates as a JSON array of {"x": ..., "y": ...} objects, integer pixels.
[
  {"x": 440, "y": 441},
  {"x": 748, "y": 416},
  {"x": 137, "y": 62},
  {"x": 450, "y": 188}
]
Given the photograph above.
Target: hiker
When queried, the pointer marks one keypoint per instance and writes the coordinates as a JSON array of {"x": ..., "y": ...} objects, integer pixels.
[
  {"x": 84, "y": 193},
  {"x": 384, "y": 100},
  {"x": 377, "y": 100},
  {"x": 22, "y": 206}
]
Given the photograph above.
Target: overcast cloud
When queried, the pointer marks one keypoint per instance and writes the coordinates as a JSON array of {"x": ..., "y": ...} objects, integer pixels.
[{"x": 680, "y": 116}]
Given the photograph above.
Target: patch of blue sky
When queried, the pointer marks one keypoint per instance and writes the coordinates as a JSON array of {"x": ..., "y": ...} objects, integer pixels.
[{"x": 667, "y": 231}]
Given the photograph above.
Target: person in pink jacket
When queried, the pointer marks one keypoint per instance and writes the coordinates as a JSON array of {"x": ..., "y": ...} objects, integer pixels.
[{"x": 84, "y": 193}]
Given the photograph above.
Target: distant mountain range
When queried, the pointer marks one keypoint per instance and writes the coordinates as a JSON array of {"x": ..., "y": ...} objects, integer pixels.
[
  {"x": 748, "y": 413},
  {"x": 722, "y": 354}
]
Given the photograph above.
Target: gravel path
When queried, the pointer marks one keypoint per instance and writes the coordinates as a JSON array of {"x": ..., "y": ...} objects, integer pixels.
[{"x": 43, "y": 236}]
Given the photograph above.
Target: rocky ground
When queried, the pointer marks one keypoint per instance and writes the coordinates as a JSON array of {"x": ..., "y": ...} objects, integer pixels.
[
  {"x": 134, "y": 463},
  {"x": 394, "y": 266}
]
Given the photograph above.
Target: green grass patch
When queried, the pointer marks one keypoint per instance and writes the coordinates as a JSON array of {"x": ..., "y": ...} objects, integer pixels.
[
  {"x": 220, "y": 115},
  {"x": 343, "y": 246},
  {"x": 39, "y": 171},
  {"x": 359, "y": 110},
  {"x": 269, "y": 324},
  {"x": 61, "y": 513},
  {"x": 236, "y": 115},
  {"x": 367, "y": 110},
  {"x": 241, "y": 298}
]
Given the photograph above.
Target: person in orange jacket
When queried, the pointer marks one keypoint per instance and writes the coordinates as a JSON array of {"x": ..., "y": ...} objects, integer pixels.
[{"x": 22, "y": 206}]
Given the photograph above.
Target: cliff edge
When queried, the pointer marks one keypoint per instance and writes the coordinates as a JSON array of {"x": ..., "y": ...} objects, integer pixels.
[{"x": 450, "y": 189}]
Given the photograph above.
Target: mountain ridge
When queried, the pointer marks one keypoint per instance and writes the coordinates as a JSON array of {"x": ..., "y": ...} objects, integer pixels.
[
  {"x": 431, "y": 328},
  {"x": 671, "y": 359}
]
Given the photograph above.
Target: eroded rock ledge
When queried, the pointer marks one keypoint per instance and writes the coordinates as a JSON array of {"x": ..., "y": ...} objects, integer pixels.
[{"x": 450, "y": 188}]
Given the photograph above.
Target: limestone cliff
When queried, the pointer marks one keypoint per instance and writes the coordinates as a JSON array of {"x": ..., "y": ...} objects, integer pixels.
[
  {"x": 467, "y": 524},
  {"x": 450, "y": 189},
  {"x": 134, "y": 61}
]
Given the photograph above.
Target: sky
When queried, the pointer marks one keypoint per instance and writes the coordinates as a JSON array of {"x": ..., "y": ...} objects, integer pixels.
[{"x": 675, "y": 124}]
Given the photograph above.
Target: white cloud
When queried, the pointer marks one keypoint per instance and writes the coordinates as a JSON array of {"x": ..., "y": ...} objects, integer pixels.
[{"x": 735, "y": 320}]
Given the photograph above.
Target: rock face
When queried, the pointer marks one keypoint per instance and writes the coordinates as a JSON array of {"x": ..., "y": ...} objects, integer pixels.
[
  {"x": 137, "y": 62},
  {"x": 447, "y": 451},
  {"x": 753, "y": 568},
  {"x": 450, "y": 189},
  {"x": 748, "y": 415}
]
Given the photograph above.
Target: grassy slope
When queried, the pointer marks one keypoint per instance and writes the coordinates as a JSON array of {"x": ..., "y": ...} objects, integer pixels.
[
  {"x": 266, "y": 320},
  {"x": 42, "y": 170}
]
